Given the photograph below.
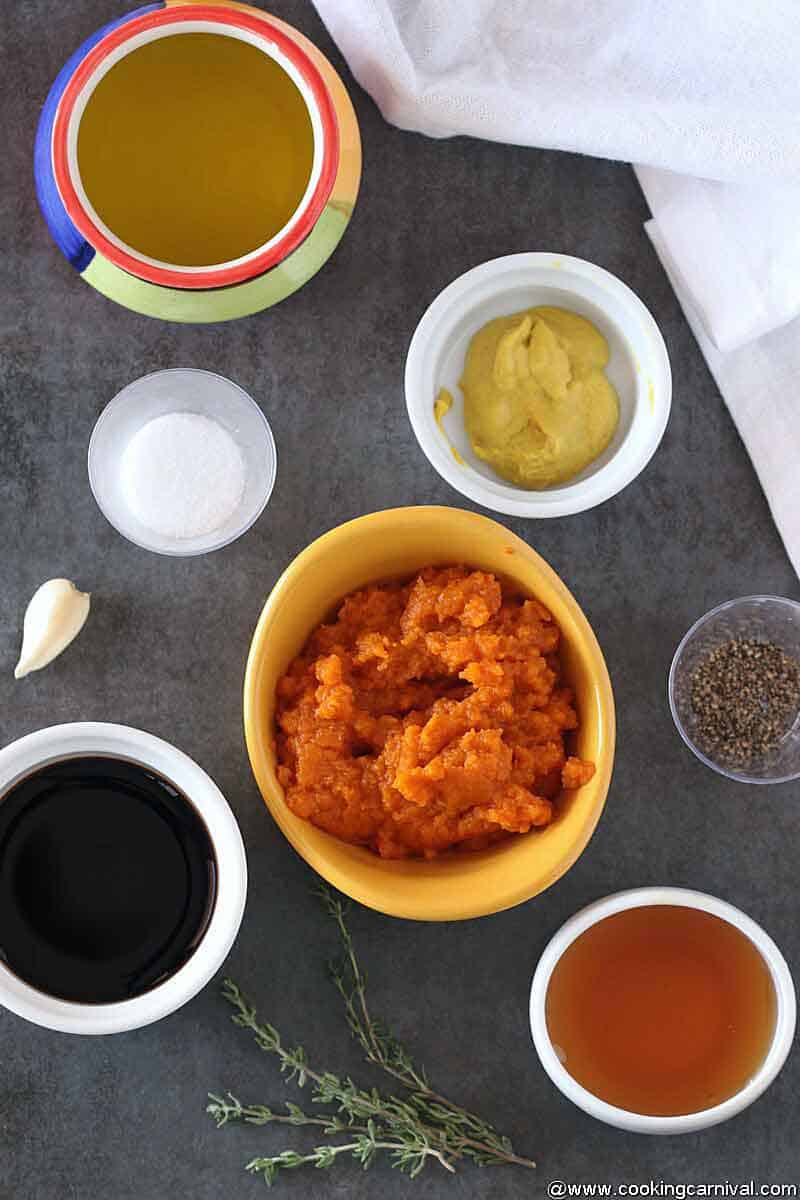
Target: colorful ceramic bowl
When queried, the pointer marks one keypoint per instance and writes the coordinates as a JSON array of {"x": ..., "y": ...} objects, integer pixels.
[
  {"x": 229, "y": 290},
  {"x": 393, "y": 544}
]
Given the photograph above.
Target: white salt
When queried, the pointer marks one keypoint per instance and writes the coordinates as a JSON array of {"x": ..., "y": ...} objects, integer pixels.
[{"x": 182, "y": 475}]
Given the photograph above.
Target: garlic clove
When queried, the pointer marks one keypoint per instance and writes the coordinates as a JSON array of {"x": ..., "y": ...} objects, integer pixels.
[{"x": 56, "y": 614}]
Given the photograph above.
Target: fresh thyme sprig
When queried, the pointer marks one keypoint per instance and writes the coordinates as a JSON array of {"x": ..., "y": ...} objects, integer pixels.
[
  {"x": 478, "y": 1140},
  {"x": 423, "y": 1126},
  {"x": 363, "y": 1109},
  {"x": 408, "y": 1152}
]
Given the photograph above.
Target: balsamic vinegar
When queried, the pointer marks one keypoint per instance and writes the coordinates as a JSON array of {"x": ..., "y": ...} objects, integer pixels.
[{"x": 107, "y": 879}]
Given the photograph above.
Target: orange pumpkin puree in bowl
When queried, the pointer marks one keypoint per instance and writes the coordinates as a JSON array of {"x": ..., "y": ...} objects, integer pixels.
[{"x": 428, "y": 715}]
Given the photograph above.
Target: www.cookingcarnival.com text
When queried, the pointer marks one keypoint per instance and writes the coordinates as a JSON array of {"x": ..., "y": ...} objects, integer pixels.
[{"x": 728, "y": 1189}]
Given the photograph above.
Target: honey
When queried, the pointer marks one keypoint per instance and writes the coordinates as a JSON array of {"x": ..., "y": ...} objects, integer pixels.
[
  {"x": 661, "y": 1010},
  {"x": 195, "y": 149}
]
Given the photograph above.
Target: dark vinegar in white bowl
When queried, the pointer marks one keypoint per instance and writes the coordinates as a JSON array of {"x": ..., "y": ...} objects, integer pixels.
[{"x": 107, "y": 879}]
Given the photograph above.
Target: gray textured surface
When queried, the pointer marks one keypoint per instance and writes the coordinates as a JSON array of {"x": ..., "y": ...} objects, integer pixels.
[{"x": 123, "y": 1117}]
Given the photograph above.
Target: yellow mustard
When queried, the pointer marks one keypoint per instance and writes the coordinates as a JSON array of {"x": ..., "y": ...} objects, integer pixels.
[
  {"x": 441, "y": 407},
  {"x": 538, "y": 406}
]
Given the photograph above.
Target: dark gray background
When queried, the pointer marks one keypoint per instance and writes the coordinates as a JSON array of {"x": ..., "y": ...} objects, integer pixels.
[{"x": 122, "y": 1117}]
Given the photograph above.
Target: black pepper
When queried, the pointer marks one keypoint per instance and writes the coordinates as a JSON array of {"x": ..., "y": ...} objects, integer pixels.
[{"x": 746, "y": 696}]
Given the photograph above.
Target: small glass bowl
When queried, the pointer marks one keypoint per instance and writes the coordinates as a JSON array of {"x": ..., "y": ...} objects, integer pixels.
[
  {"x": 763, "y": 618},
  {"x": 184, "y": 390}
]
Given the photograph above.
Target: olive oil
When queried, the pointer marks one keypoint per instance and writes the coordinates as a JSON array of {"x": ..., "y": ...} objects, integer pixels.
[
  {"x": 107, "y": 879},
  {"x": 195, "y": 149},
  {"x": 661, "y": 1010}
]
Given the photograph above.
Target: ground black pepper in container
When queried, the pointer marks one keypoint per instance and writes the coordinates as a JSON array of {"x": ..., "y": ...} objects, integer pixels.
[
  {"x": 734, "y": 689},
  {"x": 746, "y": 697}
]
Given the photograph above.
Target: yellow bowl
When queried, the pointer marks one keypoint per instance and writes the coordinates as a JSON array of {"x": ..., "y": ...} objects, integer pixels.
[{"x": 393, "y": 544}]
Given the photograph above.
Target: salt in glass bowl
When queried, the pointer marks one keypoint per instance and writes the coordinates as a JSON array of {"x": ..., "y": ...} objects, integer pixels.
[
  {"x": 182, "y": 390},
  {"x": 762, "y": 618}
]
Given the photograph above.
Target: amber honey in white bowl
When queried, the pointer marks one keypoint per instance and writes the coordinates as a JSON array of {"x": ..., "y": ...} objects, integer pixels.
[{"x": 662, "y": 1010}]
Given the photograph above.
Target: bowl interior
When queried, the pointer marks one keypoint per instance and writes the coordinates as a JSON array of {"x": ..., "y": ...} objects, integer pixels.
[
  {"x": 190, "y": 391},
  {"x": 638, "y": 367},
  {"x": 449, "y": 361},
  {"x": 762, "y": 618},
  {"x": 583, "y": 920},
  {"x": 395, "y": 544}
]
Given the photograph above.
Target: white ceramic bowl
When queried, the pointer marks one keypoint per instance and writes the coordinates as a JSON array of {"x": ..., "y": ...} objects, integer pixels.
[
  {"x": 638, "y": 368},
  {"x": 29, "y": 754},
  {"x": 637, "y": 1122},
  {"x": 182, "y": 390}
]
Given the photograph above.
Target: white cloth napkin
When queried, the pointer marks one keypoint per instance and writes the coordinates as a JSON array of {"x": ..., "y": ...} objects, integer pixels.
[
  {"x": 732, "y": 253},
  {"x": 704, "y": 95}
]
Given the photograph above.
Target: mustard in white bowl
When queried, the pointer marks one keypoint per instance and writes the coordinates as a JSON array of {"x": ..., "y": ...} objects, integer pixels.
[{"x": 638, "y": 370}]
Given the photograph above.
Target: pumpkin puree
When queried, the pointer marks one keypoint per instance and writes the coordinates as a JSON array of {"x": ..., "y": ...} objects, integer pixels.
[{"x": 427, "y": 715}]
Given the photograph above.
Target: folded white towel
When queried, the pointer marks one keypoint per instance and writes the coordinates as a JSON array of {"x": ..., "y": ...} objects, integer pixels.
[
  {"x": 704, "y": 87},
  {"x": 733, "y": 248},
  {"x": 703, "y": 94},
  {"x": 760, "y": 382}
]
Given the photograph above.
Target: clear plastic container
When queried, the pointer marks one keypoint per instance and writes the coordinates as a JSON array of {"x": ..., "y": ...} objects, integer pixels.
[
  {"x": 762, "y": 618},
  {"x": 185, "y": 391}
]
